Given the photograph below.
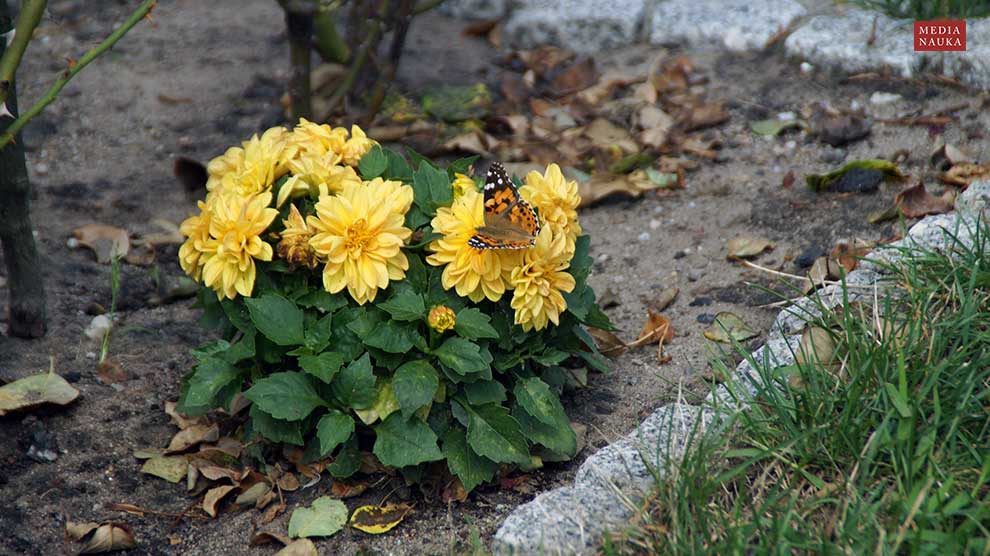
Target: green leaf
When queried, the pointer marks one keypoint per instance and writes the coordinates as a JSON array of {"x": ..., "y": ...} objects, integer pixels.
[
  {"x": 318, "y": 334},
  {"x": 333, "y": 429},
  {"x": 468, "y": 466},
  {"x": 324, "y": 366},
  {"x": 373, "y": 163},
  {"x": 324, "y": 518},
  {"x": 345, "y": 341},
  {"x": 414, "y": 384},
  {"x": 485, "y": 391},
  {"x": 493, "y": 433},
  {"x": 536, "y": 398},
  {"x": 400, "y": 442},
  {"x": 431, "y": 188},
  {"x": 384, "y": 405},
  {"x": 456, "y": 103},
  {"x": 581, "y": 262},
  {"x": 289, "y": 395},
  {"x": 237, "y": 314},
  {"x": 472, "y": 324},
  {"x": 210, "y": 376},
  {"x": 823, "y": 181},
  {"x": 774, "y": 126},
  {"x": 347, "y": 462},
  {"x": 460, "y": 166},
  {"x": 354, "y": 386},
  {"x": 558, "y": 436},
  {"x": 391, "y": 337},
  {"x": 405, "y": 305},
  {"x": 398, "y": 168},
  {"x": 417, "y": 275},
  {"x": 277, "y": 318},
  {"x": 322, "y": 300},
  {"x": 898, "y": 400},
  {"x": 275, "y": 430},
  {"x": 461, "y": 355}
]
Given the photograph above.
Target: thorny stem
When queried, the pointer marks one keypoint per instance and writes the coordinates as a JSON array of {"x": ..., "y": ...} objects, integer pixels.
[
  {"x": 52, "y": 93},
  {"x": 403, "y": 19},
  {"x": 328, "y": 41},
  {"x": 357, "y": 63},
  {"x": 27, "y": 20}
]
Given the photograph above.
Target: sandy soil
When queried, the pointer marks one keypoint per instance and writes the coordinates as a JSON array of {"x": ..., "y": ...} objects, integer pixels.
[{"x": 208, "y": 74}]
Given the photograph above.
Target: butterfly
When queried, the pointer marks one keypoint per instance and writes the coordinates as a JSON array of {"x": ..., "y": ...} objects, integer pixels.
[{"x": 510, "y": 222}]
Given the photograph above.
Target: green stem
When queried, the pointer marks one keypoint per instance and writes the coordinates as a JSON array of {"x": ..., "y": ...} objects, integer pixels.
[
  {"x": 27, "y": 20},
  {"x": 300, "y": 30},
  {"x": 357, "y": 63},
  {"x": 52, "y": 93},
  {"x": 427, "y": 6},
  {"x": 329, "y": 43}
]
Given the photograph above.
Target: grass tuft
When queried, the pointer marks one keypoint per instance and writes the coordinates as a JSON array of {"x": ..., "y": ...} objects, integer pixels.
[
  {"x": 923, "y": 10},
  {"x": 880, "y": 447}
]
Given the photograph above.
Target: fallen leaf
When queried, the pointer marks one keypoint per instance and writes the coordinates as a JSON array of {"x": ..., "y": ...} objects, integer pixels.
[
  {"x": 129, "y": 508},
  {"x": 456, "y": 103},
  {"x": 823, "y": 270},
  {"x": 705, "y": 115},
  {"x": 146, "y": 453},
  {"x": 180, "y": 420},
  {"x": 454, "y": 491},
  {"x": 605, "y": 135},
  {"x": 774, "y": 127},
  {"x": 475, "y": 142},
  {"x": 748, "y": 247},
  {"x": 916, "y": 201},
  {"x": 106, "y": 242},
  {"x": 822, "y": 182},
  {"x": 544, "y": 58},
  {"x": 253, "y": 494},
  {"x": 299, "y": 547},
  {"x": 882, "y": 215},
  {"x": 288, "y": 482},
  {"x": 625, "y": 186},
  {"x": 657, "y": 327},
  {"x": 272, "y": 512},
  {"x": 171, "y": 468},
  {"x": 666, "y": 297},
  {"x": 519, "y": 483},
  {"x": 816, "y": 348},
  {"x": 608, "y": 343},
  {"x": 789, "y": 179},
  {"x": 32, "y": 391},
  {"x": 190, "y": 173},
  {"x": 110, "y": 372},
  {"x": 608, "y": 82},
  {"x": 965, "y": 173},
  {"x": 325, "y": 517},
  {"x": 728, "y": 328},
  {"x": 576, "y": 77},
  {"x": 849, "y": 255},
  {"x": 191, "y": 437},
  {"x": 838, "y": 129},
  {"x": 348, "y": 489},
  {"x": 213, "y": 497},
  {"x": 100, "y": 537},
  {"x": 377, "y": 519},
  {"x": 947, "y": 155},
  {"x": 261, "y": 538}
]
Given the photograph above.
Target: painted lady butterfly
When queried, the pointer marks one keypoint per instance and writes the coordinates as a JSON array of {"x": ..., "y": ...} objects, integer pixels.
[{"x": 510, "y": 222}]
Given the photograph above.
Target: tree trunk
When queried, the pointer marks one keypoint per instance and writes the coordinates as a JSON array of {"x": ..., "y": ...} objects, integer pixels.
[{"x": 27, "y": 317}]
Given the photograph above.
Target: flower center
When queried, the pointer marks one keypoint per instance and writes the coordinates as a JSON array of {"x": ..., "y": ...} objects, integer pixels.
[{"x": 357, "y": 235}]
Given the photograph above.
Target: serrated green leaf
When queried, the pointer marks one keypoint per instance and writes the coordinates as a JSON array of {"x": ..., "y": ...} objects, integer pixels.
[
  {"x": 485, "y": 391},
  {"x": 275, "y": 430},
  {"x": 277, "y": 318},
  {"x": 493, "y": 433},
  {"x": 460, "y": 166},
  {"x": 373, "y": 163},
  {"x": 354, "y": 386},
  {"x": 345, "y": 341},
  {"x": 472, "y": 324},
  {"x": 347, "y": 462},
  {"x": 322, "y": 300},
  {"x": 398, "y": 168},
  {"x": 400, "y": 442},
  {"x": 384, "y": 405},
  {"x": 463, "y": 462},
  {"x": 237, "y": 314},
  {"x": 431, "y": 188},
  {"x": 536, "y": 398},
  {"x": 333, "y": 429},
  {"x": 557, "y": 436},
  {"x": 208, "y": 378},
  {"x": 325, "y": 517},
  {"x": 405, "y": 305},
  {"x": 391, "y": 337},
  {"x": 461, "y": 355},
  {"x": 414, "y": 384},
  {"x": 317, "y": 336},
  {"x": 289, "y": 395},
  {"x": 324, "y": 366}
]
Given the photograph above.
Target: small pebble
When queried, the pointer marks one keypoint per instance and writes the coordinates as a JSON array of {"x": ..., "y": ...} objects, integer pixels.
[
  {"x": 705, "y": 318},
  {"x": 695, "y": 274},
  {"x": 645, "y": 236},
  {"x": 834, "y": 155},
  {"x": 654, "y": 224},
  {"x": 806, "y": 68},
  {"x": 41, "y": 169},
  {"x": 880, "y": 97},
  {"x": 855, "y": 105},
  {"x": 91, "y": 355},
  {"x": 72, "y": 243},
  {"x": 790, "y": 145},
  {"x": 98, "y": 327},
  {"x": 786, "y": 116},
  {"x": 700, "y": 302}
]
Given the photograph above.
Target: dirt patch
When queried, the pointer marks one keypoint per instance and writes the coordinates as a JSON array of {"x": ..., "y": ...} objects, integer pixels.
[{"x": 104, "y": 152}]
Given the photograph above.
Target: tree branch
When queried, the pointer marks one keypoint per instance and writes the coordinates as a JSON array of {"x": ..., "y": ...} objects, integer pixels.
[{"x": 27, "y": 20}]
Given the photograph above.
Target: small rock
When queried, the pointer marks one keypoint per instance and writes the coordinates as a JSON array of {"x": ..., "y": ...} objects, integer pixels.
[
  {"x": 809, "y": 255},
  {"x": 74, "y": 376},
  {"x": 858, "y": 180},
  {"x": 790, "y": 145},
  {"x": 94, "y": 308},
  {"x": 705, "y": 318},
  {"x": 41, "y": 169},
  {"x": 681, "y": 254},
  {"x": 98, "y": 327},
  {"x": 645, "y": 236},
  {"x": 654, "y": 224},
  {"x": 833, "y": 155},
  {"x": 700, "y": 302},
  {"x": 786, "y": 116},
  {"x": 806, "y": 68},
  {"x": 695, "y": 274},
  {"x": 43, "y": 447},
  {"x": 880, "y": 97}
]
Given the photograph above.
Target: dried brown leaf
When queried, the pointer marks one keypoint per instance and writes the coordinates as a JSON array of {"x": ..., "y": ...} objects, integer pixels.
[
  {"x": 605, "y": 135},
  {"x": 381, "y": 519},
  {"x": 261, "y": 538},
  {"x": 299, "y": 547},
  {"x": 747, "y": 247},
  {"x": 191, "y": 437},
  {"x": 190, "y": 173},
  {"x": 965, "y": 173},
  {"x": 348, "y": 489},
  {"x": 101, "y": 537},
  {"x": 916, "y": 201},
  {"x": 105, "y": 241},
  {"x": 608, "y": 343},
  {"x": 214, "y": 496},
  {"x": 110, "y": 372},
  {"x": 576, "y": 77}
]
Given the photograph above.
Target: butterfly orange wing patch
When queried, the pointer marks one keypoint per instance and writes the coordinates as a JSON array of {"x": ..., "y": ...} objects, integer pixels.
[{"x": 510, "y": 222}]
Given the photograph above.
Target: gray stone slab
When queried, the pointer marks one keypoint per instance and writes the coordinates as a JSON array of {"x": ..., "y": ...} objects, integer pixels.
[
  {"x": 584, "y": 26},
  {"x": 476, "y": 9},
  {"x": 734, "y": 24}
]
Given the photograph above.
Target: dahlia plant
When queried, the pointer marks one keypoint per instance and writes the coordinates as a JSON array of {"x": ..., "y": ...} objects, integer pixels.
[{"x": 357, "y": 313}]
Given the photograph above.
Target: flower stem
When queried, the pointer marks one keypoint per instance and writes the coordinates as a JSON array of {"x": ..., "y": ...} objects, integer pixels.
[
  {"x": 52, "y": 93},
  {"x": 27, "y": 20}
]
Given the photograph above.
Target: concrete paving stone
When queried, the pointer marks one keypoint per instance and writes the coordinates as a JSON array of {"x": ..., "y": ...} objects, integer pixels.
[
  {"x": 737, "y": 25},
  {"x": 584, "y": 26},
  {"x": 476, "y": 9}
]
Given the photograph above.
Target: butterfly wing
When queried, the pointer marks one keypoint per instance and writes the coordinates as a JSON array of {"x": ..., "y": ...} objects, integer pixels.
[{"x": 510, "y": 222}]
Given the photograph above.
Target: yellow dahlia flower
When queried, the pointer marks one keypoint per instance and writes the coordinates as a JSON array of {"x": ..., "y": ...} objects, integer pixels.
[
  {"x": 313, "y": 173},
  {"x": 473, "y": 273},
  {"x": 235, "y": 242},
  {"x": 230, "y": 161},
  {"x": 263, "y": 163},
  {"x": 442, "y": 318},
  {"x": 462, "y": 184},
  {"x": 556, "y": 199},
  {"x": 356, "y": 146},
  {"x": 294, "y": 246},
  {"x": 539, "y": 280},
  {"x": 360, "y": 234},
  {"x": 193, "y": 252},
  {"x": 315, "y": 139}
]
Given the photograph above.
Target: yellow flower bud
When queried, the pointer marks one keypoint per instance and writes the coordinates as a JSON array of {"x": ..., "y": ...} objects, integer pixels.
[{"x": 442, "y": 318}]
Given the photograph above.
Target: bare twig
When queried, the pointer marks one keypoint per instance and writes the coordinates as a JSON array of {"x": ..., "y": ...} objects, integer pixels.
[
  {"x": 74, "y": 68},
  {"x": 27, "y": 20}
]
